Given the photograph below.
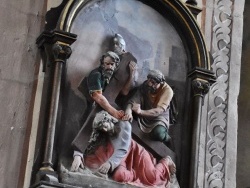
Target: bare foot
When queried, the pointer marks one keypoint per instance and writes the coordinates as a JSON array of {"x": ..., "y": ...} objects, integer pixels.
[
  {"x": 171, "y": 167},
  {"x": 170, "y": 164}
]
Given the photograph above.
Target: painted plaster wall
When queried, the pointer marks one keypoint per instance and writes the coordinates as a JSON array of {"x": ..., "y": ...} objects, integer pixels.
[
  {"x": 243, "y": 154},
  {"x": 21, "y": 23}
]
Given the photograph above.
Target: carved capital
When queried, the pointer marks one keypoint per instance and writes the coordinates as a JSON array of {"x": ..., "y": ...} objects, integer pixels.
[
  {"x": 55, "y": 45},
  {"x": 61, "y": 52},
  {"x": 202, "y": 79},
  {"x": 200, "y": 87}
]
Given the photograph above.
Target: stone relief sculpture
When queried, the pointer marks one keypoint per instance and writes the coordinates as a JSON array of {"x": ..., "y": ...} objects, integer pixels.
[
  {"x": 137, "y": 167},
  {"x": 151, "y": 104},
  {"x": 98, "y": 79},
  {"x": 175, "y": 46},
  {"x": 118, "y": 155},
  {"x": 94, "y": 85},
  {"x": 104, "y": 97}
]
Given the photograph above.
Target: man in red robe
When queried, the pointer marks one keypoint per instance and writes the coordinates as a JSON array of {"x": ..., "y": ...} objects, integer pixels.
[{"x": 138, "y": 167}]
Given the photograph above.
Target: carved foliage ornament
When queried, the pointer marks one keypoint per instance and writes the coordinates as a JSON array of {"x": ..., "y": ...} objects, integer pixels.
[
  {"x": 61, "y": 52},
  {"x": 200, "y": 87},
  {"x": 218, "y": 96}
]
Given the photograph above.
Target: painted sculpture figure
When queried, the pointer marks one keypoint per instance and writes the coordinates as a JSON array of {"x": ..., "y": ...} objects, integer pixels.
[
  {"x": 108, "y": 148},
  {"x": 120, "y": 83},
  {"x": 94, "y": 85},
  {"x": 150, "y": 103},
  {"x": 137, "y": 167},
  {"x": 120, "y": 49}
]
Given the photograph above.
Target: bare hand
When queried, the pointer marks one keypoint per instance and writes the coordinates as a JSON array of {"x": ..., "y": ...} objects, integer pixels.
[
  {"x": 104, "y": 168},
  {"x": 78, "y": 162},
  {"x": 136, "y": 108},
  {"x": 118, "y": 114},
  {"x": 132, "y": 68},
  {"x": 128, "y": 117}
]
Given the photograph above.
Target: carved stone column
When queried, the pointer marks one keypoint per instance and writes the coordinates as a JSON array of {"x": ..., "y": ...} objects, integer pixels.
[
  {"x": 200, "y": 88},
  {"x": 57, "y": 50},
  {"x": 61, "y": 53},
  {"x": 201, "y": 81}
]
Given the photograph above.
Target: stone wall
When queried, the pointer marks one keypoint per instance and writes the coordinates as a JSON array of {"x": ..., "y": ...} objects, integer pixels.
[
  {"x": 223, "y": 26},
  {"x": 243, "y": 152},
  {"x": 21, "y": 23}
]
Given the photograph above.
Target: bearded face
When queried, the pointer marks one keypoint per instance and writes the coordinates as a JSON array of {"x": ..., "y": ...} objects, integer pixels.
[
  {"x": 152, "y": 85},
  {"x": 107, "y": 74},
  {"x": 106, "y": 123},
  {"x": 108, "y": 67},
  {"x": 151, "y": 89}
]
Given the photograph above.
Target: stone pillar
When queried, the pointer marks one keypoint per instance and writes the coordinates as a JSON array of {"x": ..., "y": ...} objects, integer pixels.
[
  {"x": 201, "y": 81},
  {"x": 61, "y": 53},
  {"x": 200, "y": 88},
  {"x": 57, "y": 50}
]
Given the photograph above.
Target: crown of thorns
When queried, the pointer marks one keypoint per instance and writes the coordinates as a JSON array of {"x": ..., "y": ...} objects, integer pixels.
[{"x": 102, "y": 117}]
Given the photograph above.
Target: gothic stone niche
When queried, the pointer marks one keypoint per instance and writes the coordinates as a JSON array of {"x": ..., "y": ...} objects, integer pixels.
[
  {"x": 161, "y": 35},
  {"x": 149, "y": 36}
]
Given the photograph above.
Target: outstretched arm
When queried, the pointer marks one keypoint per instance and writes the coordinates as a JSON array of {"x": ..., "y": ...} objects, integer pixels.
[
  {"x": 77, "y": 162},
  {"x": 151, "y": 113},
  {"x": 121, "y": 144},
  {"x": 128, "y": 114},
  {"x": 162, "y": 105},
  {"x": 103, "y": 102}
]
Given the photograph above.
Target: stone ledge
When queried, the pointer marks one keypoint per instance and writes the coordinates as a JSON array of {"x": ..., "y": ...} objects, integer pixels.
[{"x": 85, "y": 178}]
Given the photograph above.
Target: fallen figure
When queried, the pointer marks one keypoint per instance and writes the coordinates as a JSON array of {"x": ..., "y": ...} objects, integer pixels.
[{"x": 137, "y": 166}]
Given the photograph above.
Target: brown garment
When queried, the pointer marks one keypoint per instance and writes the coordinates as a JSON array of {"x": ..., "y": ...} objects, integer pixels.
[{"x": 149, "y": 101}]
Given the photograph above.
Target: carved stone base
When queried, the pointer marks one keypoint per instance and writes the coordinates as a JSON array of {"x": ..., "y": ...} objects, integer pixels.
[
  {"x": 85, "y": 178},
  {"x": 45, "y": 184}
]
